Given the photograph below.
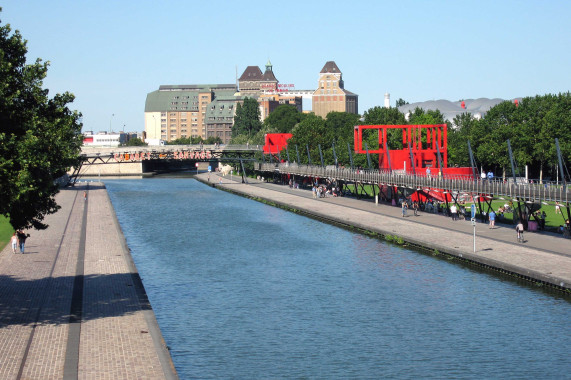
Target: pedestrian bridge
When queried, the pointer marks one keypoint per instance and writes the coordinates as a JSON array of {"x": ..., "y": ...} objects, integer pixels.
[
  {"x": 407, "y": 183},
  {"x": 138, "y": 160}
]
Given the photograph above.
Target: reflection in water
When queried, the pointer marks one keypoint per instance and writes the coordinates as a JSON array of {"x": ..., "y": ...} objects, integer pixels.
[{"x": 244, "y": 290}]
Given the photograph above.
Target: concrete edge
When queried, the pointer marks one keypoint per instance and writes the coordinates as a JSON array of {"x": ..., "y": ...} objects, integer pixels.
[
  {"x": 161, "y": 347},
  {"x": 482, "y": 262}
]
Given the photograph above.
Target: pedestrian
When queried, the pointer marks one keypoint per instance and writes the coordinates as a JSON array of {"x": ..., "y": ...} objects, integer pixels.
[
  {"x": 415, "y": 208},
  {"x": 490, "y": 176},
  {"x": 404, "y": 207},
  {"x": 84, "y": 195},
  {"x": 14, "y": 242},
  {"x": 483, "y": 176},
  {"x": 454, "y": 212},
  {"x": 22, "y": 240},
  {"x": 519, "y": 230},
  {"x": 492, "y": 217}
]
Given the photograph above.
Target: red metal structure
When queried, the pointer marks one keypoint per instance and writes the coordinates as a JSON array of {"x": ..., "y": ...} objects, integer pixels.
[
  {"x": 276, "y": 142},
  {"x": 421, "y": 142}
]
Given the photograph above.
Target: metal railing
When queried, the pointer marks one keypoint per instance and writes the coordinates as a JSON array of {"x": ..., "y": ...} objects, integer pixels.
[{"x": 455, "y": 185}]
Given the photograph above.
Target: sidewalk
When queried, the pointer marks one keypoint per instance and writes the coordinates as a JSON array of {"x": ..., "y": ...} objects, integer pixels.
[
  {"x": 544, "y": 257},
  {"x": 73, "y": 305}
]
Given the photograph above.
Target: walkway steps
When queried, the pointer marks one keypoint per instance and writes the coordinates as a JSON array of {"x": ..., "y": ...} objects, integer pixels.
[
  {"x": 73, "y": 305},
  {"x": 543, "y": 257}
]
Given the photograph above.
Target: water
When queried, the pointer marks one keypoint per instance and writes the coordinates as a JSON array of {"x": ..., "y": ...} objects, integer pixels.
[{"x": 243, "y": 290}]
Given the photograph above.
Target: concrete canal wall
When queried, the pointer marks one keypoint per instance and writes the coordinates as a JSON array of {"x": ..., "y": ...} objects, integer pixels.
[{"x": 544, "y": 259}]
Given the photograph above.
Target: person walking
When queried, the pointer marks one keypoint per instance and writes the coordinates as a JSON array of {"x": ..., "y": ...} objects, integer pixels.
[
  {"x": 415, "y": 208},
  {"x": 22, "y": 240},
  {"x": 492, "y": 217},
  {"x": 404, "y": 207},
  {"x": 519, "y": 231},
  {"x": 454, "y": 212},
  {"x": 14, "y": 242}
]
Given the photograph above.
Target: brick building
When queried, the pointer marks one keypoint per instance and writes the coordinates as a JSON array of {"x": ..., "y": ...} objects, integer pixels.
[{"x": 331, "y": 94}]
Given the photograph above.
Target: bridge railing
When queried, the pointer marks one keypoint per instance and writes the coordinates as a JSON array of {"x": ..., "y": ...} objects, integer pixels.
[{"x": 509, "y": 189}]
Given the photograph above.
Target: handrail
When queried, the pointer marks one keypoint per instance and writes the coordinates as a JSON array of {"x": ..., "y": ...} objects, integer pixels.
[{"x": 530, "y": 191}]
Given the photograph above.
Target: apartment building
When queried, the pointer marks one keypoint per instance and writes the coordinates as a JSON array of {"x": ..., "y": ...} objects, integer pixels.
[{"x": 172, "y": 112}]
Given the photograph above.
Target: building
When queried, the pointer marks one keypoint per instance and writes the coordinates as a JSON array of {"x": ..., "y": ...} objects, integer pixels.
[
  {"x": 220, "y": 117},
  {"x": 173, "y": 112},
  {"x": 252, "y": 83},
  {"x": 266, "y": 89},
  {"x": 106, "y": 139},
  {"x": 331, "y": 95}
]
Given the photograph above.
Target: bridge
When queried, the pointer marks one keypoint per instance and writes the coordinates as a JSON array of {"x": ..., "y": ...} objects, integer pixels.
[
  {"x": 388, "y": 185},
  {"x": 393, "y": 185},
  {"x": 124, "y": 161}
]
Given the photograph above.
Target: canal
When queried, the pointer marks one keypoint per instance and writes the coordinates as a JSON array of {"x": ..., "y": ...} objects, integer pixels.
[{"x": 247, "y": 291}]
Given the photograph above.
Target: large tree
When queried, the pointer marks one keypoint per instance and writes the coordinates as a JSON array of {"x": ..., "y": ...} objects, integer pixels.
[
  {"x": 283, "y": 118},
  {"x": 247, "y": 119},
  {"x": 39, "y": 137},
  {"x": 384, "y": 116}
]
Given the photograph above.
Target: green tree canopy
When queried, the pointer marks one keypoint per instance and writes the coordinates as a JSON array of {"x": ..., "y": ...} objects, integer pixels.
[
  {"x": 459, "y": 133},
  {"x": 179, "y": 141},
  {"x": 531, "y": 127},
  {"x": 213, "y": 140},
  {"x": 283, "y": 118},
  {"x": 384, "y": 116},
  {"x": 247, "y": 119},
  {"x": 311, "y": 132},
  {"x": 135, "y": 141},
  {"x": 40, "y": 138}
]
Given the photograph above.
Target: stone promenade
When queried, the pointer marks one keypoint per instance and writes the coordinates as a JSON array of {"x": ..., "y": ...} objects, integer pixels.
[
  {"x": 73, "y": 306},
  {"x": 543, "y": 256}
]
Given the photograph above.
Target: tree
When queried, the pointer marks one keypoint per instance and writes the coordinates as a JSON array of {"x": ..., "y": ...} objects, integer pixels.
[
  {"x": 459, "y": 133},
  {"x": 213, "y": 140},
  {"x": 283, "y": 118},
  {"x": 247, "y": 119},
  {"x": 401, "y": 102},
  {"x": 339, "y": 127},
  {"x": 179, "y": 141},
  {"x": 311, "y": 131},
  {"x": 384, "y": 116},
  {"x": 40, "y": 138},
  {"x": 135, "y": 141}
]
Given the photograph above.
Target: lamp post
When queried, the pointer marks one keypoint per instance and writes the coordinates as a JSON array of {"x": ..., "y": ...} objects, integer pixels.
[{"x": 110, "y": 120}]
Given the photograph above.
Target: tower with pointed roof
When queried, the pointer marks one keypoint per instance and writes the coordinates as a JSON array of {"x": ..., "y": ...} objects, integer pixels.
[
  {"x": 253, "y": 83},
  {"x": 331, "y": 95}
]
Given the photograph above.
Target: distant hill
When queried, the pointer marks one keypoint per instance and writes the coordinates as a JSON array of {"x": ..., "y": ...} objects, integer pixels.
[{"x": 477, "y": 107}]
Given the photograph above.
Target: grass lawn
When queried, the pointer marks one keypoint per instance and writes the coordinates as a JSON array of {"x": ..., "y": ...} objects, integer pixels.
[
  {"x": 552, "y": 220},
  {"x": 6, "y": 231}
]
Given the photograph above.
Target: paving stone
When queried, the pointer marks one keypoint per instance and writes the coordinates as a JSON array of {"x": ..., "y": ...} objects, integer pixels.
[{"x": 118, "y": 339}]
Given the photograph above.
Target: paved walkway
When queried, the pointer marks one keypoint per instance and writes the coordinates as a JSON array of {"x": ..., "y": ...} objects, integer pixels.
[
  {"x": 73, "y": 306},
  {"x": 543, "y": 256}
]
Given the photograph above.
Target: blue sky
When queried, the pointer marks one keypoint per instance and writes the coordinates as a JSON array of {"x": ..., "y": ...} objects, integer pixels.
[{"x": 110, "y": 54}]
